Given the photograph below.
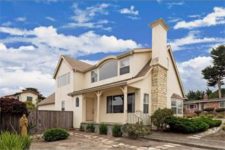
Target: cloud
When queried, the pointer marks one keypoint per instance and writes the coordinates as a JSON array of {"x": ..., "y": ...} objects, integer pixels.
[
  {"x": 50, "y": 18},
  {"x": 191, "y": 75},
  {"x": 8, "y": 23},
  {"x": 21, "y": 19},
  {"x": 86, "y": 18},
  {"x": 212, "y": 19},
  {"x": 129, "y": 11},
  {"x": 32, "y": 64},
  {"x": 194, "y": 38},
  {"x": 172, "y": 4}
]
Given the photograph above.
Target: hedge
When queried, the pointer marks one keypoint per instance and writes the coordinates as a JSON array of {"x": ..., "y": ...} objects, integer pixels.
[{"x": 55, "y": 134}]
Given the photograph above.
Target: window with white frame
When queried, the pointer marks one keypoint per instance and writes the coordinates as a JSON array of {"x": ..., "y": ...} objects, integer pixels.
[
  {"x": 29, "y": 98},
  {"x": 63, "y": 80},
  {"x": 124, "y": 66},
  {"x": 108, "y": 70},
  {"x": 146, "y": 103},
  {"x": 94, "y": 76},
  {"x": 222, "y": 104},
  {"x": 63, "y": 105},
  {"x": 177, "y": 106}
]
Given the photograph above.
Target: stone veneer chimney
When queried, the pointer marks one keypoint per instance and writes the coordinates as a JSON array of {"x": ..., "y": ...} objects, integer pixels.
[{"x": 159, "y": 65}]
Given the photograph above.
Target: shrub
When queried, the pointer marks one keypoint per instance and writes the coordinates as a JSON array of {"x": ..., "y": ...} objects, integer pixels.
[
  {"x": 223, "y": 128},
  {"x": 136, "y": 130},
  {"x": 55, "y": 134},
  {"x": 184, "y": 125},
  {"x": 90, "y": 128},
  {"x": 10, "y": 141},
  {"x": 220, "y": 115},
  {"x": 220, "y": 110},
  {"x": 116, "y": 131},
  {"x": 81, "y": 128},
  {"x": 103, "y": 129},
  {"x": 198, "y": 112},
  {"x": 209, "y": 109},
  {"x": 212, "y": 123},
  {"x": 159, "y": 117}
]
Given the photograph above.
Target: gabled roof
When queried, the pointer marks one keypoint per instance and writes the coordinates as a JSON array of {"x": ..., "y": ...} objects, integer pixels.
[
  {"x": 48, "y": 101},
  {"x": 74, "y": 64}
]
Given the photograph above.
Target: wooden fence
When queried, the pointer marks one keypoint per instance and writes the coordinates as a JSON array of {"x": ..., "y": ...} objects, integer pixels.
[
  {"x": 38, "y": 121},
  {"x": 41, "y": 120}
]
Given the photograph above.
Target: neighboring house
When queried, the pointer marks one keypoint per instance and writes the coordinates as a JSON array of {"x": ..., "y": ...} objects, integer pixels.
[
  {"x": 28, "y": 94},
  {"x": 195, "y": 105},
  {"x": 117, "y": 88}
]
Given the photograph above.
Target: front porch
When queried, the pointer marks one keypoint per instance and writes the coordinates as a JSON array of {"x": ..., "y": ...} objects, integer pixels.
[{"x": 120, "y": 105}]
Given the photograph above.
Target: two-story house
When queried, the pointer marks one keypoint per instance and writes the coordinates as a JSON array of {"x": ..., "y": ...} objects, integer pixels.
[{"x": 135, "y": 83}]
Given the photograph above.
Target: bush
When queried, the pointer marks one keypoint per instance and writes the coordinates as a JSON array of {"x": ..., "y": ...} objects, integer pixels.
[
  {"x": 159, "y": 117},
  {"x": 10, "y": 141},
  {"x": 55, "y": 134},
  {"x": 209, "y": 109},
  {"x": 223, "y": 128},
  {"x": 183, "y": 125},
  {"x": 212, "y": 123},
  {"x": 220, "y": 115},
  {"x": 103, "y": 129},
  {"x": 220, "y": 110},
  {"x": 136, "y": 130},
  {"x": 116, "y": 131},
  {"x": 81, "y": 128},
  {"x": 90, "y": 128}
]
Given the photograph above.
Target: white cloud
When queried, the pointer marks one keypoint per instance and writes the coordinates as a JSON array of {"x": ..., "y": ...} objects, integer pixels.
[
  {"x": 50, "y": 18},
  {"x": 21, "y": 19},
  {"x": 33, "y": 64},
  {"x": 172, "y": 4},
  {"x": 86, "y": 18},
  {"x": 129, "y": 11},
  {"x": 8, "y": 23},
  {"x": 191, "y": 75},
  {"x": 194, "y": 38},
  {"x": 214, "y": 18}
]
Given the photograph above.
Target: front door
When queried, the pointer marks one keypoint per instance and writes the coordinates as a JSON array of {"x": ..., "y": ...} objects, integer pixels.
[{"x": 90, "y": 109}]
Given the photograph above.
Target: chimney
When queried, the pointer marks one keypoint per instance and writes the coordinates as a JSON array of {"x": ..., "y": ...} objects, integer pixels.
[
  {"x": 159, "y": 65},
  {"x": 159, "y": 43}
]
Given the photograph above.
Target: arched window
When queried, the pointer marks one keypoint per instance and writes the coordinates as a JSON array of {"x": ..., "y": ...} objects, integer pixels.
[
  {"x": 108, "y": 70},
  {"x": 77, "y": 102}
]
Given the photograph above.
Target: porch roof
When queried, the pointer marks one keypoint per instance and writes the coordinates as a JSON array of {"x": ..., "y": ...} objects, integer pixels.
[{"x": 101, "y": 87}]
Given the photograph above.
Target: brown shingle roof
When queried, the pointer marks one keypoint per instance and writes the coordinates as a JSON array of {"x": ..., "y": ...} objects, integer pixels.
[
  {"x": 176, "y": 96},
  {"x": 76, "y": 64},
  {"x": 144, "y": 70},
  {"x": 49, "y": 100}
]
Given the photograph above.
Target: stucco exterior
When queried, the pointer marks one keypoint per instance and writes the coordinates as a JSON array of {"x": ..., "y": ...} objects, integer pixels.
[{"x": 88, "y": 100}]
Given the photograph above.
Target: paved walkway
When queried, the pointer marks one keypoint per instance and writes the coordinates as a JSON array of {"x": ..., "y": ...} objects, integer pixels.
[
  {"x": 91, "y": 141},
  {"x": 186, "y": 140}
]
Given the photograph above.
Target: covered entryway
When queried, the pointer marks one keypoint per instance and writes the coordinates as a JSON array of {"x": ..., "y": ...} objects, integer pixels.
[{"x": 90, "y": 111}]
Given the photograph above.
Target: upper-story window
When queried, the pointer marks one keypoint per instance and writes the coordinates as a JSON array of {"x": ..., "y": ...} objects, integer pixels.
[
  {"x": 63, "y": 80},
  {"x": 29, "y": 98},
  {"x": 124, "y": 66},
  {"x": 94, "y": 76},
  {"x": 108, "y": 70}
]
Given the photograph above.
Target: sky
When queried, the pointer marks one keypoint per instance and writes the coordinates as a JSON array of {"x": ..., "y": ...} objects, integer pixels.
[{"x": 34, "y": 33}]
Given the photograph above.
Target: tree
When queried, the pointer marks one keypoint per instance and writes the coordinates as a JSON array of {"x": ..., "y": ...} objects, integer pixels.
[
  {"x": 215, "y": 74},
  {"x": 195, "y": 95}
]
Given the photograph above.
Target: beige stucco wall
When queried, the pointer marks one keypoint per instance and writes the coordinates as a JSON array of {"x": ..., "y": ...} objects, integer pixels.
[
  {"x": 47, "y": 107},
  {"x": 61, "y": 93},
  {"x": 23, "y": 97},
  {"x": 172, "y": 82}
]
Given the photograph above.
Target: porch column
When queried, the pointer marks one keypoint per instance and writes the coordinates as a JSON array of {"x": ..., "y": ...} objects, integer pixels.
[
  {"x": 124, "y": 89},
  {"x": 98, "y": 94}
]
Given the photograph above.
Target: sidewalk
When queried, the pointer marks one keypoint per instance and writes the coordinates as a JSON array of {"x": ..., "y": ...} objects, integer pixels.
[{"x": 184, "y": 140}]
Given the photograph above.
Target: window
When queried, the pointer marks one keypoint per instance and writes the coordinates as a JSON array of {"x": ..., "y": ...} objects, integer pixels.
[
  {"x": 115, "y": 104},
  {"x": 192, "y": 106},
  {"x": 146, "y": 103},
  {"x": 63, "y": 105},
  {"x": 108, "y": 70},
  {"x": 94, "y": 76},
  {"x": 131, "y": 103},
  {"x": 124, "y": 66},
  {"x": 222, "y": 104},
  {"x": 63, "y": 80},
  {"x": 177, "y": 106},
  {"x": 77, "y": 102},
  {"x": 29, "y": 98}
]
